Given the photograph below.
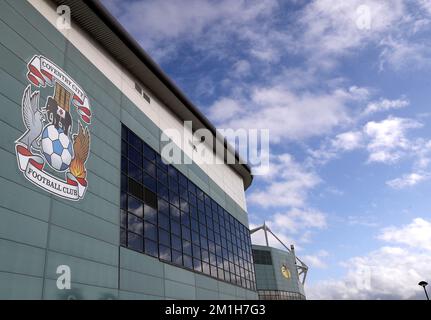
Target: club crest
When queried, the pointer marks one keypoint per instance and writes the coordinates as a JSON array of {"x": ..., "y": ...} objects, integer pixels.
[{"x": 51, "y": 153}]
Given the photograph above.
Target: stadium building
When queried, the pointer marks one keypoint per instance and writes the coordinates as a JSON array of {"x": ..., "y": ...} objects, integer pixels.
[
  {"x": 280, "y": 275},
  {"x": 88, "y": 209}
]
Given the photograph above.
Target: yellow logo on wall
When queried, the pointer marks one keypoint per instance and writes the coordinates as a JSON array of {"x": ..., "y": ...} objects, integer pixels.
[{"x": 285, "y": 272}]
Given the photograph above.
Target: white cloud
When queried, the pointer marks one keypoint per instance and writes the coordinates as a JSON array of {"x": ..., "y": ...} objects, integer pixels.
[
  {"x": 348, "y": 141},
  {"x": 390, "y": 272},
  {"x": 296, "y": 220},
  {"x": 316, "y": 260},
  {"x": 388, "y": 141},
  {"x": 290, "y": 115},
  {"x": 241, "y": 68},
  {"x": 417, "y": 234},
  {"x": 206, "y": 25},
  {"x": 225, "y": 108},
  {"x": 385, "y": 105},
  {"x": 364, "y": 221},
  {"x": 286, "y": 184},
  {"x": 402, "y": 53},
  {"x": 331, "y": 29},
  {"x": 408, "y": 180}
]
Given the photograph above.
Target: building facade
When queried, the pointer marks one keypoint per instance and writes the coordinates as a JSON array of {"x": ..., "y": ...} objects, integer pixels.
[
  {"x": 280, "y": 274},
  {"x": 85, "y": 193},
  {"x": 277, "y": 276}
]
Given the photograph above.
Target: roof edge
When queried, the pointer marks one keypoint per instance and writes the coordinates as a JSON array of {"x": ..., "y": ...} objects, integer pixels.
[{"x": 131, "y": 44}]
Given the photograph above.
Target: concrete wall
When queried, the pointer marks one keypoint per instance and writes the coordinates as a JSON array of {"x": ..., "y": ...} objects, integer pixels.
[{"x": 39, "y": 231}]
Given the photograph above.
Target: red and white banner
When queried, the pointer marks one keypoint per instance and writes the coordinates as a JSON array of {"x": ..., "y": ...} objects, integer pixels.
[
  {"x": 32, "y": 167},
  {"x": 43, "y": 72}
]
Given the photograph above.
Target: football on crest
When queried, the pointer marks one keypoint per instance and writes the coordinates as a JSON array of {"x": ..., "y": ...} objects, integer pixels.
[{"x": 57, "y": 148}]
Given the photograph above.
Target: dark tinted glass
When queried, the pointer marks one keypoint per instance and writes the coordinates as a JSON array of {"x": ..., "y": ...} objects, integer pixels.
[{"x": 165, "y": 215}]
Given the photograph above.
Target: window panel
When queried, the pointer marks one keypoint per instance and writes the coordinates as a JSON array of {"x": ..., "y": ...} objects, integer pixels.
[
  {"x": 151, "y": 248},
  {"x": 134, "y": 224},
  {"x": 123, "y": 219},
  {"x": 197, "y": 265},
  {"x": 135, "y": 206},
  {"x": 164, "y": 237},
  {"x": 135, "y": 188},
  {"x": 175, "y": 213},
  {"x": 134, "y": 241},
  {"x": 187, "y": 260},
  {"x": 181, "y": 224},
  {"x": 150, "y": 214},
  {"x": 149, "y": 153},
  {"x": 150, "y": 182},
  {"x": 150, "y": 231},
  {"x": 135, "y": 172},
  {"x": 135, "y": 156},
  {"x": 175, "y": 228},
  {"x": 196, "y": 252},
  {"x": 176, "y": 243},
  {"x": 187, "y": 247},
  {"x": 149, "y": 167},
  {"x": 123, "y": 237},
  {"x": 163, "y": 221},
  {"x": 177, "y": 257},
  {"x": 164, "y": 253},
  {"x": 162, "y": 191}
]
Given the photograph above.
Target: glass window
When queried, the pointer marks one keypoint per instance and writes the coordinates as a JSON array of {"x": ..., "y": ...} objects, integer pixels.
[
  {"x": 149, "y": 153},
  {"x": 162, "y": 191},
  {"x": 177, "y": 257},
  {"x": 176, "y": 243},
  {"x": 134, "y": 140},
  {"x": 163, "y": 221},
  {"x": 124, "y": 148},
  {"x": 164, "y": 253},
  {"x": 150, "y": 182},
  {"x": 195, "y": 238},
  {"x": 196, "y": 252},
  {"x": 197, "y": 265},
  {"x": 134, "y": 241},
  {"x": 150, "y": 231},
  {"x": 123, "y": 237},
  {"x": 149, "y": 168},
  {"x": 206, "y": 268},
  {"x": 124, "y": 165},
  {"x": 164, "y": 237},
  {"x": 135, "y": 156},
  {"x": 163, "y": 207},
  {"x": 187, "y": 260},
  {"x": 135, "y": 172},
  {"x": 175, "y": 213},
  {"x": 162, "y": 176},
  {"x": 135, "y": 206},
  {"x": 151, "y": 248},
  {"x": 165, "y": 215},
  {"x": 134, "y": 224},
  {"x": 174, "y": 199},
  {"x": 185, "y": 218},
  {"x": 175, "y": 228},
  {"x": 187, "y": 247},
  {"x": 150, "y": 214},
  {"x": 123, "y": 219},
  {"x": 135, "y": 188},
  {"x": 186, "y": 233}
]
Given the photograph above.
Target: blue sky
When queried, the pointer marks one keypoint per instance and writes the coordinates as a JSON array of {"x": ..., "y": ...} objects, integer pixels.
[{"x": 343, "y": 87}]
